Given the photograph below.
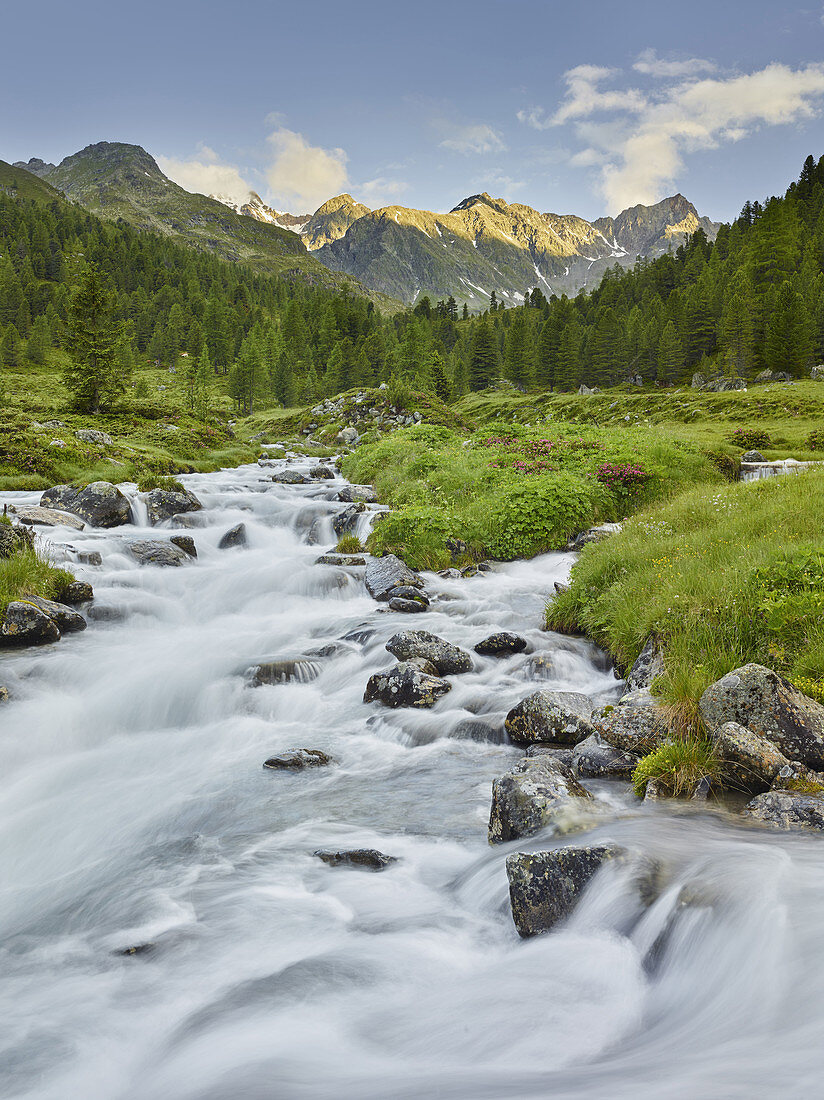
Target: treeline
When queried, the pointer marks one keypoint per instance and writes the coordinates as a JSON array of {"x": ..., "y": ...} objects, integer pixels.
[{"x": 751, "y": 300}]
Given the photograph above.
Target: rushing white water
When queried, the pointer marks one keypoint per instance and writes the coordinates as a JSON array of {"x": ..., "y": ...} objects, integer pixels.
[{"x": 134, "y": 809}]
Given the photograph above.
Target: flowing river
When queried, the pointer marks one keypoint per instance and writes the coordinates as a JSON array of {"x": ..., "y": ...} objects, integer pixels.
[{"x": 134, "y": 811}]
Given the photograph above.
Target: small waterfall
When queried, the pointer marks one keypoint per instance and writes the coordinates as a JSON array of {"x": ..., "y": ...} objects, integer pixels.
[{"x": 755, "y": 471}]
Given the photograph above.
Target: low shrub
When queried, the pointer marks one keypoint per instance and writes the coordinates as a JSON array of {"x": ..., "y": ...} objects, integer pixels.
[
  {"x": 749, "y": 438},
  {"x": 349, "y": 544},
  {"x": 815, "y": 440}
]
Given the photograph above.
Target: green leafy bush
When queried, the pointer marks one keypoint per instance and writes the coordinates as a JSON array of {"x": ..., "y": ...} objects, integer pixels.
[
  {"x": 749, "y": 438},
  {"x": 542, "y": 515},
  {"x": 815, "y": 440}
]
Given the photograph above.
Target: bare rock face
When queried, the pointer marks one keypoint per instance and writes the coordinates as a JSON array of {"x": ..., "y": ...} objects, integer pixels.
[
  {"x": 162, "y": 504},
  {"x": 771, "y": 707},
  {"x": 787, "y": 810},
  {"x": 539, "y": 791},
  {"x": 405, "y": 685},
  {"x": 562, "y": 716},
  {"x": 384, "y": 574},
  {"x": 447, "y": 658},
  {"x": 100, "y": 504},
  {"x": 545, "y": 887},
  {"x": 749, "y": 762}
]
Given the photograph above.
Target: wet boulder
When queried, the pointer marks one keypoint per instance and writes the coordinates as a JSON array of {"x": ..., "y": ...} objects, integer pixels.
[
  {"x": 648, "y": 664},
  {"x": 749, "y": 762},
  {"x": 100, "y": 504},
  {"x": 635, "y": 729},
  {"x": 186, "y": 543},
  {"x": 25, "y": 624},
  {"x": 501, "y": 644},
  {"x": 300, "y": 669},
  {"x": 407, "y": 607},
  {"x": 297, "y": 760},
  {"x": 545, "y": 887},
  {"x": 564, "y": 754},
  {"x": 787, "y": 810},
  {"x": 89, "y": 557},
  {"x": 550, "y": 716},
  {"x": 234, "y": 538},
  {"x": 321, "y": 473},
  {"x": 367, "y": 859},
  {"x": 407, "y": 592},
  {"x": 593, "y": 534},
  {"x": 447, "y": 658},
  {"x": 35, "y": 516},
  {"x": 76, "y": 592},
  {"x": 155, "y": 552},
  {"x": 352, "y": 494},
  {"x": 65, "y": 618},
  {"x": 770, "y": 706},
  {"x": 290, "y": 477},
  {"x": 162, "y": 504},
  {"x": 594, "y": 758},
  {"x": 405, "y": 686},
  {"x": 346, "y": 521},
  {"x": 384, "y": 574},
  {"x": 538, "y": 792},
  {"x": 340, "y": 559}
]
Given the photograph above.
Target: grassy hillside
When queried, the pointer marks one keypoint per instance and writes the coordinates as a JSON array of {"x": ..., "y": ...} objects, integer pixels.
[{"x": 23, "y": 185}]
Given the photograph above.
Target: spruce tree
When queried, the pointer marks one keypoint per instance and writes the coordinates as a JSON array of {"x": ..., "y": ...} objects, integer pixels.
[
  {"x": 93, "y": 374},
  {"x": 483, "y": 364},
  {"x": 670, "y": 355}
]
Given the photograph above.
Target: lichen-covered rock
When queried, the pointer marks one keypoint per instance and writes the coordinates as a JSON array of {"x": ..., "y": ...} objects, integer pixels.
[
  {"x": 593, "y": 758},
  {"x": 648, "y": 664},
  {"x": 564, "y": 754},
  {"x": 321, "y": 473},
  {"x": 77, "y": 592},
  {"x": 407, "y": 607},
  {"x": 350, "y": 494},
  {"x": 447, "y": 658},
  {"x": 91, "y": 435},
  {"x": 340, "y": 559},
  {"x": 749, "y": 762},
  {"x": 25, "y": 624},
  {"x": 766, "y": 703},
  {"x": 66, "y": 619},
  {"x": 300, "y": 669},
  {"x": 639, "y": 730},
  {"x": 501, "y": 644},
  {"x": 290, "y": 477},
  {"x": 162, "y": 504},
  {"x": 787, "y": 810},
  {"x": 369, "y": 859},
  {"x": 235, "y": 537},
  {"x": 539, "y": 791},
  {"x": 155, "y": 552},
  {"x": 346, "y": 521},
  {"x": 297, "y": 760},
  {"x": 407, "y": 592},
  {"x": 14, "y": 538},
  {"x": 186, "y": 543},
  {"x": 405, "y": 686},
  {"x": 100, "y": 504},
  {"x": 550, "y": 716},
  {"x": 384, "y": 574},
  {"x": 545, "y": 887},
  {"x": 35, "y": 516}
]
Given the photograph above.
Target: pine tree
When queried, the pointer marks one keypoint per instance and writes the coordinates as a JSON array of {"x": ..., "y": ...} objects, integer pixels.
[
  {"x": 203, "y": 385},
  {"x": 483, "y": 364},
  {"x": 437, "y": 375},
  {"x": 94, "y": 335},
  {"x": 39, "y": 341},
  {"x": 670, "y": 355},
  {"x": 789, "y": 333},
  {"x": 737, "y": 335},
  {"x": 568, "y": 374},
  {"x": 518, "y": 352}
]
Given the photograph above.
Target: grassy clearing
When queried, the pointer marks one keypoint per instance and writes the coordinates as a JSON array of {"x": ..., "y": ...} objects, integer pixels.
[
  {"x": 722, "y": 575},
  {"x": 515, "y": 492}
]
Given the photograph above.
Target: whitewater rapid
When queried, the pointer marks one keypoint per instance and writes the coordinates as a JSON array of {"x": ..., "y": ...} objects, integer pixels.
[{"x": 134, "y": 811}]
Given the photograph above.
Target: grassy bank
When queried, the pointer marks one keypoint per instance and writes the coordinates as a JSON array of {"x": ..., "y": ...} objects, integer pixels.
[
  {"x": 27, "y": 572},
  {"x": 722, "y": 575},
  {"x": 514, "y": 492}
]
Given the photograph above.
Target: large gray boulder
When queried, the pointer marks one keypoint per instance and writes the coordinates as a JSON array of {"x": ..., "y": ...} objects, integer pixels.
[
  {"x": 749, "y": 762},
  {"x": 550, "y": 716},
  {"x": 91, "y": 435},
  {"x": 35, "y": 516},
  {"x": 234, "y": 538},
  {"x": 162, "y": 504},
  {"x": 290, "y": 477},
  {"x": 66, "y": 619},
  {"x": 593, "y": 758},
  {"x": 351, "y": 494},
  {"x": 100, "y": 504},
  {"x": 155, "y": 552},
  {"x": 384, "y": 574},
  {"x": 787, "y": 810},
  {"x": 545, "y": 887},
  {"x": 635, "y": 729},
  {"x": 405, "y": 685},
  {"x": 539, "y": 791},
  {"x": 25, "y": 624},
  {"x": 770, "y": 706},
  {"x": 346, "y": 521},
  {"x": 447, "y": 658}
]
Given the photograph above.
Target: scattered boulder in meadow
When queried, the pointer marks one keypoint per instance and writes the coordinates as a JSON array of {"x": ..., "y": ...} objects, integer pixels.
[
  {"x": 502, "y": 644},
  {"x": 787, "y": 810},
  {"x": 562, "y": 716},
  {"x": 163, "y": 504},
  {"x": 405, "y": 686},
  {"x": 447, "y": 658},
  {"x": 770, "y": 706},
  {"x": 752, "y": 456},
  {"x": 100, "y": 504},
  {"x": 545, "y": 887},
  {"x": 91, "y": 435},
  {"x": 539, "y": 791}
]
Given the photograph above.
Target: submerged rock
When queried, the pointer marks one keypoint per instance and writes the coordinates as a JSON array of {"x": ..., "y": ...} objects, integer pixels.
[
  {"x": 770, "y": 706},
  {"x": 370, "y": 859},
  {"x": 89, "y": 557},
  {"x": 346, "y": 521},
  {"x": 26, "y": 624},
  {"x": 405, "y": 686},
  {"x": 407, "y": 592},
  {"x": 539, "y": 791},
  {"x": 340, "y": 559},
  {"x": 234, "y": 537},
  {"x": 501, "y": 644},
  {"x": 155, "y": 552},
  {"x": 545, "y": 887},
  {"x": 162, "y": 504},
  {"x": 301, "y": 669},
  {"x": 550, "y": 716},
  {"x": 297, "y": 760},
  {"x": 447, "y": 658},
  {"x": 787, "y": 810},
  {"x": 100, "y": 504},
  {"x": 384, "y": 574}
]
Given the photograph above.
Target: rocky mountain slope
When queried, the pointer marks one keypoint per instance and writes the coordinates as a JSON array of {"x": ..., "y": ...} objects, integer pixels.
[{"x": 256, "y": 208}]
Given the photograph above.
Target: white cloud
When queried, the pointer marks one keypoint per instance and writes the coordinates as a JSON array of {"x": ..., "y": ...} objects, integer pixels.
[
  {"x": 651, "y": 64},
  {"x": 381, "y": 191},
  {"x": 206, "y": 174},
  {"x": 302, "y": 176},
  {"x": 472, "y": 138},
  {"x": 642, "y": 145}
]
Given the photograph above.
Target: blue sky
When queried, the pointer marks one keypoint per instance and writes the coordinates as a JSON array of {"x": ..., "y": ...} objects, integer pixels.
[{"x": 570, "y": 107}]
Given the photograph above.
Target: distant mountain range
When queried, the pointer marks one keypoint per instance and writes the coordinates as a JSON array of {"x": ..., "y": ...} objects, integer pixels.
[{"x": 482, "y": 245}]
